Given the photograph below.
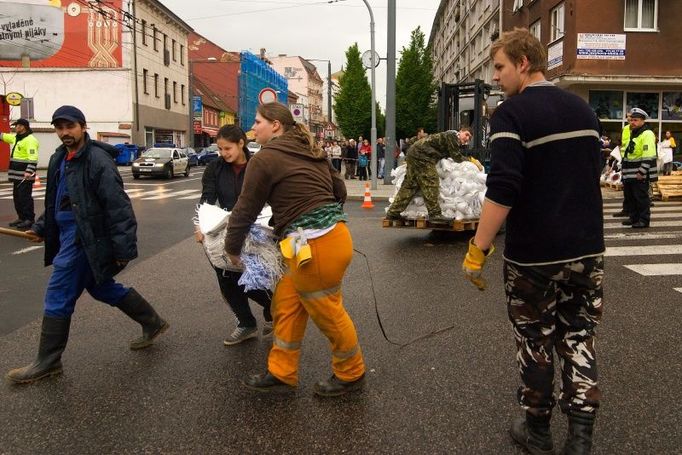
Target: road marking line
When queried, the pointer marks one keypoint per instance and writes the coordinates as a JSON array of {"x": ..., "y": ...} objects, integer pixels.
[
  {"x": 173, "y": 194},
  {"x": 678, "y": 289},
  {"x": 27, "y": 250},
  {"x": 658, "y": 203},
  {"x": 642, "y": 236},
  {"x": 647, "y": 250},
  {"x": 656, "y": 269},
  {"x": 148, "y": 193},
  {"x": 654, "y": 224},
  {"x": 653, "y": 209},
  {"x": 663, "y": 215},
  {"x": 163, "y": 184}
]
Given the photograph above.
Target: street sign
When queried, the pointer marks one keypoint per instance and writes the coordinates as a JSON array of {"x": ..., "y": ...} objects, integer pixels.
[
  {"x": 297, "y": 112},
  {"x": 267, "y": 95},
  {"x": 14, "y": 98},
  {"x": 197, "y": 108}
]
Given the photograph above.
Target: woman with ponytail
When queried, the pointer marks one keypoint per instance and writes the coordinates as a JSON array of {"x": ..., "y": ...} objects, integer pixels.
[
  {"x": 222, "y": 183},
  {"x": 293, "y": 175}
]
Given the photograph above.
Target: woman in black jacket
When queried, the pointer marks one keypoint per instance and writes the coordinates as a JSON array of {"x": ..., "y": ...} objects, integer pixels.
[{"x": 222, "y": 183}]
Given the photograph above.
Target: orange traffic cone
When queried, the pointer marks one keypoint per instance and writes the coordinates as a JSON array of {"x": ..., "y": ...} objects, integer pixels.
[
  {"x": 36, "y": 183},
  {"x": 367, "y": 203}
]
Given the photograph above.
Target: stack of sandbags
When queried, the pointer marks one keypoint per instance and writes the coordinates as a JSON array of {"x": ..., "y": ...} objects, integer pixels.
[{"x": 462, "y": 191}]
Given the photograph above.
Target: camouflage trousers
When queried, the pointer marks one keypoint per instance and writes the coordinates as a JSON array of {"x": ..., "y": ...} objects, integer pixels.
[
  {"x": 556, "y": 307},
  {"x": 420, "y": 176}
]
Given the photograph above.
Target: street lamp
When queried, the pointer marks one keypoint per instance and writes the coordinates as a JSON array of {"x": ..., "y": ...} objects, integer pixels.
[
  {"x": 190, "y": 95},
  {"x": 373, "y": 164}
]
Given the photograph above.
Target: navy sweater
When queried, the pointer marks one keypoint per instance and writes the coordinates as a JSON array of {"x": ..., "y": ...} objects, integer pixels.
[{"x": 545, "y": 165}]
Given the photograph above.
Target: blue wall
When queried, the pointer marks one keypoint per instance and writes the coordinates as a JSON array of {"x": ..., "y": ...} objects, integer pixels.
[{"x": 255, "y": 76}]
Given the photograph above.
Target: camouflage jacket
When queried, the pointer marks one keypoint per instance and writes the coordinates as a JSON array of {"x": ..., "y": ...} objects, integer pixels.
[{"x": 435, "y": 147}]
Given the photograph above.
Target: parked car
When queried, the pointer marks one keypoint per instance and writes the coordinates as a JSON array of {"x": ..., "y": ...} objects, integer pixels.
[
  {"x": 192, "y": 156},
  {"x": 254, "y": 147},
  {"x": 165, "y": 162},
  {"x": 207, "y": 155}
]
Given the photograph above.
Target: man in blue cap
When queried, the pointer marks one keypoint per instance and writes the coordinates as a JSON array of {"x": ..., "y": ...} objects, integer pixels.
[
  {"x": 89, "y": 230},
  {"x": 23, "y": 164}
]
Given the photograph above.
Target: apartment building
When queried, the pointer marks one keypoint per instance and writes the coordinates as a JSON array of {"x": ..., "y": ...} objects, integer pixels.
[{"x": 460, "y": 39}]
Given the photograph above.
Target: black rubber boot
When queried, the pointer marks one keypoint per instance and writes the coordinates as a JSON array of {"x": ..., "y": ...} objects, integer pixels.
[
  {"x": 333, "y": 387},
  {"x": 140, "y": 311},
  {"x": 533, "y": 434},
  {"x": 267, "y": 383},
  {"x": 579, "y": 439},
  {"x": 53, "y": 338}
]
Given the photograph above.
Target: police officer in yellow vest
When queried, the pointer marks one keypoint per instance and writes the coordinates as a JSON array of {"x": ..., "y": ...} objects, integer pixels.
[
  {"x": 23, "y": 165},
  {"x": 639, "y": 169}
]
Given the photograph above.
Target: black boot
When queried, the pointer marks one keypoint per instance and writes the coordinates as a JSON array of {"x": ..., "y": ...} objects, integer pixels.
[
  {"x": 333, "y": 387},
  {"x": 267, "y": 383},
  {"x": 53, "y": 338},
  {"x": 533, "y": 434},
  {"x": 139, "y": 310},
  {"x": 579, "y": 440},
  {"x": 620, "y": 214}
]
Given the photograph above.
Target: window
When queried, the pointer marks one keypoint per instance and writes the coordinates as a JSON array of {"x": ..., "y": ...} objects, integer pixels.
[
  {"x": 182, "y": 93},
  {"x": 518, "y": 4},
  {"x": 182, "y": 55},
  {"x": 672, "y": 106},
  {"x": 156, "y": 85},
  {"x": 144, "y": 32},
  {"x": 607, "y": 104},
  {"x": 155, "y": 37},
  {"x": 174, "y": 57},
  {"x": 165, "y": 86},
  {"x": 641, "y": 14},
  {"x": 556, "y": 24},
  {"x": 647, "y": 101},
  {"x": 145, "y": 74},
  {"x": 27, "y": 108},
  {"x": 536, "y": 30},
  {"x": 175, "y": 92},
  {"x": 165, "y": 42}
]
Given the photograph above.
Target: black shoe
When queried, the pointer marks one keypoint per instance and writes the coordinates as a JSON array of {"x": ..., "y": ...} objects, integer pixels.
[
  {"x": 640, "y": 225},
  {"x": 333, "y": 387},
  {"x": 626, "y": 223},
  {"x": 25, "y": 224},
  {"x": 53, "y": 338},
  {"x": 140, "y": 311},
  {"x": 620, "y": 214},
  {"x": 580, "y": 428},
  {"x": 266, "y": 382},
  {"x": 15, "y": 222},
  {"x": 651, "y": 204},
  {"x": 533, "y": 434}
]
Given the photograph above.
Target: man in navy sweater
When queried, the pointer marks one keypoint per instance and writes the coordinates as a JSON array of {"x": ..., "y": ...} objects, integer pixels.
[{"x": 544, "y": 181}]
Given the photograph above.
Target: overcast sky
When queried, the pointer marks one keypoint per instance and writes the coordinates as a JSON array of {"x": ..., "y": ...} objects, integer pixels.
[{"x": 309, "y": 28}]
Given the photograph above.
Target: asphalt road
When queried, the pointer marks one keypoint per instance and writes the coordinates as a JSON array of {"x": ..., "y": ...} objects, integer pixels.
[{"x": 453, "y": 392}]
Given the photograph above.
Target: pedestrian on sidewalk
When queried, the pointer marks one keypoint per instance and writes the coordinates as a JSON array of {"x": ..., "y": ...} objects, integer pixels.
[
  {"x": 23, "y": 166},
  {"x": 364, "y": 157},
  {"x": 667, "y": 146},
  {"x": 222, "y": 183},
  {"x": 306, "y": 196},
  {"x": 336, "y": 153},
  {"x": 89, "y": 230},
  {"x": 639, "y": 169},
  {"x": 554, "y": 243},
  {"x": 351, "y": 159},
  {"x": 381, "y": 157}
]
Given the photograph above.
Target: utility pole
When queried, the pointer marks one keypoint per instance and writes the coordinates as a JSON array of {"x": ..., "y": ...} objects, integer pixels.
[
  {"x": 373, "y": 164},
  {"x": 390, "y": 92},
  {"x": 329, "y": 90}
]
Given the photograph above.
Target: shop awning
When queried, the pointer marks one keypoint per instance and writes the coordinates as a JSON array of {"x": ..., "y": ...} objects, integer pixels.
[{"x": 213, "y": 132}]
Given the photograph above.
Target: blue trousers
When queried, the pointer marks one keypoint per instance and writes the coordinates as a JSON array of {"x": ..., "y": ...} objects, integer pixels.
[{"x": 72, "y": 275}]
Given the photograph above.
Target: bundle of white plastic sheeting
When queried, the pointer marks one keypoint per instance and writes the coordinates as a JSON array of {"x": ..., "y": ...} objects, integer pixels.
[
  {"x": 260, "y": 255},
  {"x": 462, "y": 190}
]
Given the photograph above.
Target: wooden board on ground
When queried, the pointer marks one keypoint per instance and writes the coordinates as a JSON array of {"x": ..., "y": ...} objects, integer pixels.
[
  {"x": 670, "y": 186},
  {"x": 422, "y": 223}
]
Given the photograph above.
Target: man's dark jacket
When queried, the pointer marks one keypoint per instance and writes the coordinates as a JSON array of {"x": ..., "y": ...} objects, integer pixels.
[{"x": 104, "y": 215}]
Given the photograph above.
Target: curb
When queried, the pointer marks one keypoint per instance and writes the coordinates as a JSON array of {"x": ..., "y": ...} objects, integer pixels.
[{"x": 362, "y": 198}]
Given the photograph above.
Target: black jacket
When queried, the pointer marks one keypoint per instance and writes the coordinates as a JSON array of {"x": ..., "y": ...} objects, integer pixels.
[
  {"x": 104, "y": 215},
  {"x": 220, "y": 183}
]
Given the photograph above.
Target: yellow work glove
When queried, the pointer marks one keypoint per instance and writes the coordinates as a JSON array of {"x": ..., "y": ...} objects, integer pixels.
[{"x": 473, "y": 264}]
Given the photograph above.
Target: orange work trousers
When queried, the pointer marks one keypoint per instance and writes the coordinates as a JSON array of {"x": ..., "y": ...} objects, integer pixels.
[{"x": 314, "y": 290}]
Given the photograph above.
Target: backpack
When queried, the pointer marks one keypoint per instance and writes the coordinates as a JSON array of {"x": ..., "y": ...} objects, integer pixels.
[{"x": 362, "y": 161}]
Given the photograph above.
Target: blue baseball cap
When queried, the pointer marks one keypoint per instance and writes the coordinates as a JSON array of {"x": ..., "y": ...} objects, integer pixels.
[{"x": 70, "y": 113}]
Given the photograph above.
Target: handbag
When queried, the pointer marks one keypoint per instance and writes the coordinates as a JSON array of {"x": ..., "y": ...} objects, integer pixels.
[{"x": 362, "y": 161}]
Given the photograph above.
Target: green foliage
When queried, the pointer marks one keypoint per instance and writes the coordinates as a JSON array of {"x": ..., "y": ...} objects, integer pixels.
[
  {"x": 352, "y": 104},
  {"x": 415, "y": 89}
]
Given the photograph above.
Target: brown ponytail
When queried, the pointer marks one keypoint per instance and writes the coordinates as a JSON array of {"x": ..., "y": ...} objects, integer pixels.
[{"x": 278, "y": 111}]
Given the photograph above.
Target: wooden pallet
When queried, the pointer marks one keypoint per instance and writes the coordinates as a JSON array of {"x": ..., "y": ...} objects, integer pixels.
[
  {"x": 614, "y": 186},
  {"x": 422, "y": 223},
  {"x": 656, "y": 193},
  {"x": 670, "y": 186}
]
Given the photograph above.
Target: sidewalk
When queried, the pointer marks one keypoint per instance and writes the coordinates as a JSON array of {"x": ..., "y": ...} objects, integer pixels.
[{"x": 356, "y": 190}]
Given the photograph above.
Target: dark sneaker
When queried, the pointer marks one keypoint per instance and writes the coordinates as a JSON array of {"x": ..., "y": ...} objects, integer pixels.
[
  {"x": 640, "y": 225},
  {"x": 333, "y": 387},
  {"x": 626, "y": 223},
  {"x": 240, "y": 334},
  {"x": 15, "y": 222},
  {"x": 620, "y": 214},
  {"x": 25, "y": 224},
  {"x": 267, "y": 383},
  {"x": 267, "y": 329}
]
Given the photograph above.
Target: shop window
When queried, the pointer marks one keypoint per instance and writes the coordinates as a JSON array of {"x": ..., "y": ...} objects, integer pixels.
[
  {"x": 646, "y": 101},
  {"x": 608, "y": 105},
  {"x": 556, "y": 23},
  {"x": 672, "y": 106},
  {"x": 641, "y": 14}
]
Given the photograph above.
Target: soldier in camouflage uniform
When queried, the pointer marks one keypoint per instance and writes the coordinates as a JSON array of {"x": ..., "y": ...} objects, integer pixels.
[{"x": 421, "y": 174}]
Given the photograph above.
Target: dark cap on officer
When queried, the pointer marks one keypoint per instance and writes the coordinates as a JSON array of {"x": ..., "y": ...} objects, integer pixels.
[
  {"x": 639, "y": 113},
  {"x": 23, "y": 122},
  {"x": 70, "y": 113}
]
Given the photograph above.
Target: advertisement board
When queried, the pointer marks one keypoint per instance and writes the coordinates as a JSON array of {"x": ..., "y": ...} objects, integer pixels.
[
  {"x": 61, "y": 34},
  {"x": 555, "y": 55},
  {"x": 601, "y": 46}
]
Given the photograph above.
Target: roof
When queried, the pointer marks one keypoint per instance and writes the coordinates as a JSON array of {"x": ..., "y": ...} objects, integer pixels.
[
  {"x": 209, "y": 97},
  {"x": 172, "y": 15}
]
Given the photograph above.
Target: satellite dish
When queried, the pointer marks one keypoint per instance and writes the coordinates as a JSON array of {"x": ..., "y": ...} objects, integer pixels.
[{"x": 367, "y": 59}]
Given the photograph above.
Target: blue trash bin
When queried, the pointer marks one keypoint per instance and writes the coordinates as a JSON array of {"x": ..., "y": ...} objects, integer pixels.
[{"x": 127, "y": 153}]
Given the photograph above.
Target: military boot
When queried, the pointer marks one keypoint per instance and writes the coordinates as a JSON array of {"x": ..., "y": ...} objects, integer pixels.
[
  {"x": 53, "y": 338},
  {"x": 533, "y": 434},
  {"x": 439, "y": 219},
  {"x": 140, "y": 311},
  {"x": 579, "y": 439}
]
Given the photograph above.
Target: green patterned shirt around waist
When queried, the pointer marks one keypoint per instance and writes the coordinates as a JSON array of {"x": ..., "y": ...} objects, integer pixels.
[{"x": 319, "y": 218}]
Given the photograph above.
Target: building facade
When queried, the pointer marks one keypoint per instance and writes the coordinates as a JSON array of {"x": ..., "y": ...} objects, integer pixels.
[
  {"x": 460, "y": 39},
  {"x": 616, "y": 54}
]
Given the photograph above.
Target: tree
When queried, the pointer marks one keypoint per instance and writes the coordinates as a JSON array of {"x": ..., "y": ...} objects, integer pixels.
[
  {"x": 353, "y": 102},
  {"x": 415, "y": 89}
]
